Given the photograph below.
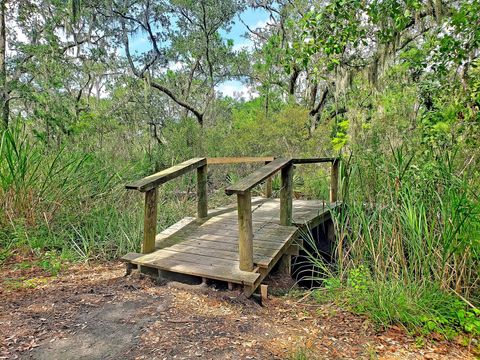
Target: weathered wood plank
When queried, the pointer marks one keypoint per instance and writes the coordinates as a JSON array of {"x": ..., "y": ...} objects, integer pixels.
[
  {"x": 231, "y": 273},
  {"x": 334, "y": 181},
  {"x": 232, "y": 208},
  {"x": 238, "y": 160},
  {"x": 286, "y": 194},
  {"x": 258, "y": 176},
  {"x": 275, "y": 235},
  {"x": 187, "y": 222},
  {"x": 261, "y": 257},
  {"x": 217, "y": 242},
  {"x": 268, "y": 185},
  {"x": 183, "y": 257},
  {"x": 163, "y": 176},
  {"x": 150, "y": 221},
  {"x": 228, "y": 242},
  {"x": 202, "y": 201},
  {"x": 229, "y": 228},
  {"x": 131, "y": 256},
  {"x": 312, "y": 160},
  {"x": 245, "y": 232},
  {"x": 210, "y": 248}
]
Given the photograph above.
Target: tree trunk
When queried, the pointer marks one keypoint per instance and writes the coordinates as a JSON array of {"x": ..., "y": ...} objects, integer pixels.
[
  {"x": 316, "y": 109},
  {"x": 4, "y": 106},
  {"x": 293, "y": 81}
]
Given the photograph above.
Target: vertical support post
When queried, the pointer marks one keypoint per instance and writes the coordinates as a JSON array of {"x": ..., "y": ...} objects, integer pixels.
[
  {"x": 286, "y": 194},
  {"x": 150, "y": 221},
  {"x": 334, "y": 181},
  {"x": 286, "y": 264},
  {"x": 268, "y": 185},
  {"x": 202, "y": 201},
  {"x": 245, "y": 232}
]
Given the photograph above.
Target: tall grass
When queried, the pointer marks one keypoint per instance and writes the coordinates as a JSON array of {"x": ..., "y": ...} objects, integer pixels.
[
  {"x": 64, "y": 200},
  {"x": 411, "y": 218},
  {"x": 407, "y": 241},
  {"x": 34, "y": 185}
]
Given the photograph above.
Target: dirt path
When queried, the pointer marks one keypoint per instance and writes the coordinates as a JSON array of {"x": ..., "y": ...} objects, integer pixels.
[{"x": 94, "y": 312}]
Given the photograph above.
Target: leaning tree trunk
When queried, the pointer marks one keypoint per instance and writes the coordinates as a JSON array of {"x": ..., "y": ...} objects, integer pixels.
[{"x": 4, "y": 109}]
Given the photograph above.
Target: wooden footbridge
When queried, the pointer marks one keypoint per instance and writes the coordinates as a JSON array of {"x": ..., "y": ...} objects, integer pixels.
[{"x": 236, "y": 244}]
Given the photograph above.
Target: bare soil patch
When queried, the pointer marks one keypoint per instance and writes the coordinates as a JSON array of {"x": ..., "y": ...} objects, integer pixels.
[{"x": 95, "y": 312}]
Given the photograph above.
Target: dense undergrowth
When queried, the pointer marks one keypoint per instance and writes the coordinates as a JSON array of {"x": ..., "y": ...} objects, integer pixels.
[
  {"x": 401, "y": 110},
  {"x": 407, "y": 249}
]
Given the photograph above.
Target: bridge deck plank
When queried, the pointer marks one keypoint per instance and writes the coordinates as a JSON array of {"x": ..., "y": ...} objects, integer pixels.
[{"x": 208, "y": 248}]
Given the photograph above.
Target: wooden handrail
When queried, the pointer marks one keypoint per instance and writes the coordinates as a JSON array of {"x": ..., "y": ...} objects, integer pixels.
[
  {"x": 333, "y": 172},
  {"x": 161, "y": 177},
  {"x": 149, "y": 184},
  {"x": 313, "y": 160},
  {"x": 243, "y": 190},
  {"x": 258, "y": 176},
  {"x": 238, "y": 160},
  {"x": 244, "y": 204}
]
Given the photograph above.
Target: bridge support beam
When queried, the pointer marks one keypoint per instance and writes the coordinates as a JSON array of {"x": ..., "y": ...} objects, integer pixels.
[
  {"x": 202, "y": 200},
  {"x": 245, "y": 244},
  {"x": 286, "y": 194},
  {"x": 268, "y": 185},
  {"x": 334, "y": 181},
  {"x": 150, "y": 221}
]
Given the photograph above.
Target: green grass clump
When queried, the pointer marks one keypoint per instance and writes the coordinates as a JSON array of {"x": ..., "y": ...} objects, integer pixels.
[
  {"x": 407, "y": 247},
  {"x": 421, "y": 309},
  {"x": 71, "y": 203}
]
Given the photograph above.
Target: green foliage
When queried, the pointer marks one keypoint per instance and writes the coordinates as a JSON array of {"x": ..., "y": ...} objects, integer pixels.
[
  {"x": 50, "y": 262},
  {"x": 391, "y": 86},
  {"x": 423, "y": 309},
  {"x": 31, "y": 182},
  {"x": 300, "y": 354}
]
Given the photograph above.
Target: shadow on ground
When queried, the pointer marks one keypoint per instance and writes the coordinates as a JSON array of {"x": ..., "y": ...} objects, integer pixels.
[{"x": 94, "y": 312}]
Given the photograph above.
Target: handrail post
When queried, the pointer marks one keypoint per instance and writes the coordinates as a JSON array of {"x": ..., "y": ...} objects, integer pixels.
[
  {"x": 245, "y": 241},
  {"x": 334, "y": 181},
  {"x": 150, "y": 221},
  {"x": 286, "y": 194},
  {"x": 268, "y": 185},
  {"x": 202, "y": 201}
]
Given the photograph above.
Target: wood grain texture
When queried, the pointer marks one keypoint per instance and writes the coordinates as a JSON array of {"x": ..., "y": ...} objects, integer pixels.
[
  {"x": 202, "y": 194},
  {"x": 286, "y": 194},
  {"x": 245, "y": 232},
  {"x": 150, "y": 221},
  {"x": 190, "y": 266},
  {"x": 334, "y": 182},
  {"x": 313, "y": 160},
  {"x": 210, "y": 248},
  {"x": 258, "y": 176},
  {"x": 238, "y": 160},
  {"x": 163, "y": 176}
]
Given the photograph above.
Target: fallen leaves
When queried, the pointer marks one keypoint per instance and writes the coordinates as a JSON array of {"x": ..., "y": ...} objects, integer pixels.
[{"x": 171, "y": 322}]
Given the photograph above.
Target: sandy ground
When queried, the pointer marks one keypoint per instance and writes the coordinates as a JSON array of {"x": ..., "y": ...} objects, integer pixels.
[{"x": 95, "y": 312}]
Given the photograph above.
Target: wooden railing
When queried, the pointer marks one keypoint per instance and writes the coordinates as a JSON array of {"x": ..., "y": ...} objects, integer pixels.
[
  {"x": 242, "y": 188},
  {"x": 149, "y": 185}
]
